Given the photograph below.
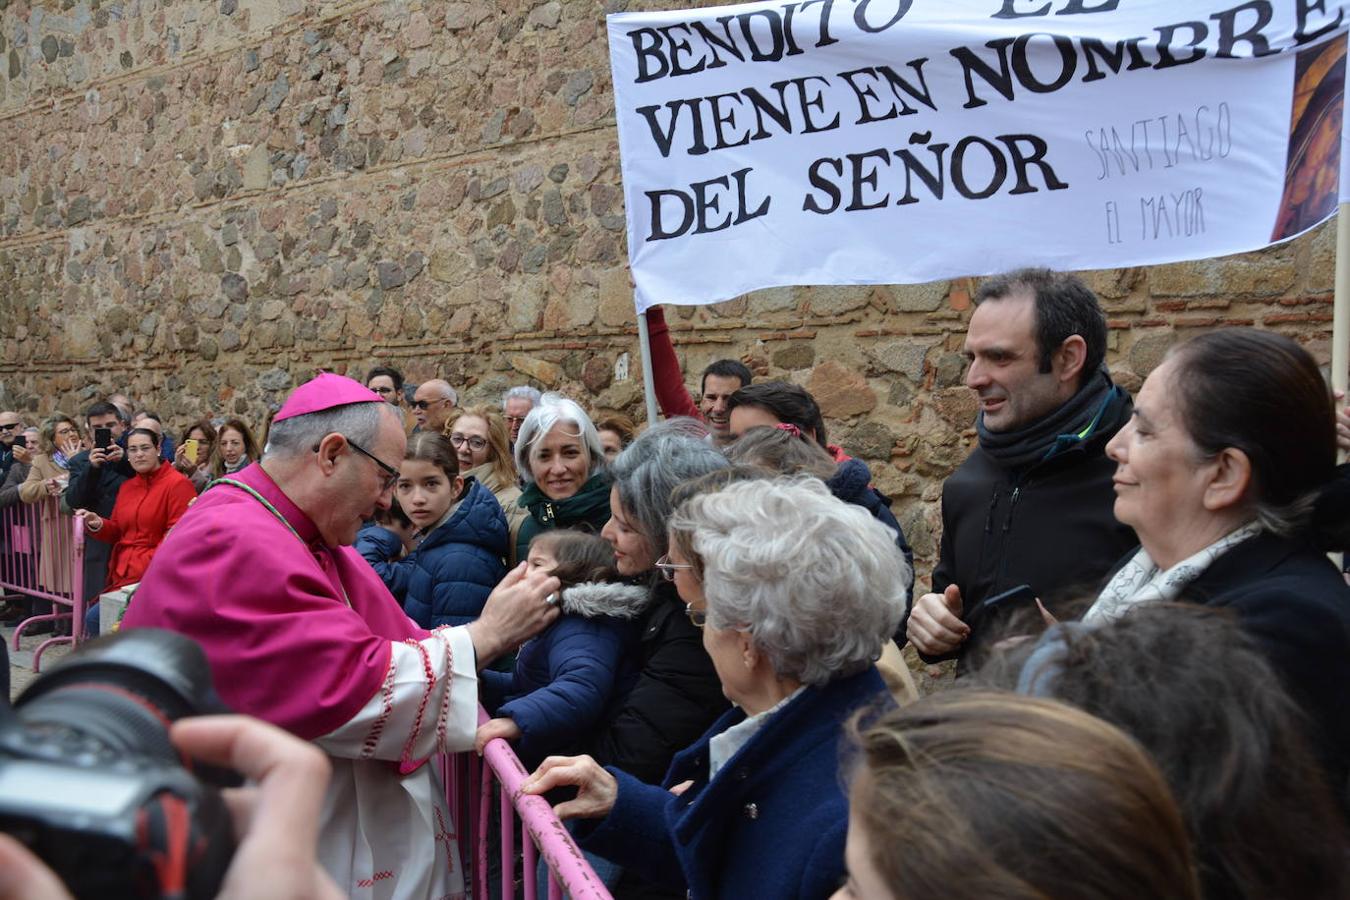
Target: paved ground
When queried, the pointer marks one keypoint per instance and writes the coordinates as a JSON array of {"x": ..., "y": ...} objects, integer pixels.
[{"x": 21, "y": 660}]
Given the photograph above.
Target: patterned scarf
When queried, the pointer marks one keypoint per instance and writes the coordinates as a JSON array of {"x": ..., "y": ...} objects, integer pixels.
[{"x": 1141, "y": 580}]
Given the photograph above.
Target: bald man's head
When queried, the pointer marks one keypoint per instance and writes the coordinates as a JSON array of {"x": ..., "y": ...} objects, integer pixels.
[
  {"x": 432, "y": 404},
  {"x": 11, "y": 426}
]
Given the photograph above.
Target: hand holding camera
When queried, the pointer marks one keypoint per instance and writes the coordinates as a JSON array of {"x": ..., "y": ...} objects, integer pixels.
[{"x": 97, "y": 801}]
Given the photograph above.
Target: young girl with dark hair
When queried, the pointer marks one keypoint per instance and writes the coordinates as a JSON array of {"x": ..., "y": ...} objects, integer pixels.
[
  {"x": 564, "y": 678},
  {"x": 460, "y": 540}
]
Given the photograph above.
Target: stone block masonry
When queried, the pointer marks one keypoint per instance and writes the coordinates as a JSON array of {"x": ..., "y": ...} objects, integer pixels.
[{"x": 201, "y": 203}]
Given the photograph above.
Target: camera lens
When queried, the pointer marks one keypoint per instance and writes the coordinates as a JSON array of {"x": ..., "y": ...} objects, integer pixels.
[{"x": 121, "y": 693}]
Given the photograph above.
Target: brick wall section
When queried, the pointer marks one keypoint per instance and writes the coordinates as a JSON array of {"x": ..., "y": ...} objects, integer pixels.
[{"x": 201, "y": 203}]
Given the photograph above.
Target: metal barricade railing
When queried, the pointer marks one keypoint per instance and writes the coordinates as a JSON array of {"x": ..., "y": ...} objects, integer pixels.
[
  {"x": 469, "y": 785},
  {"x": 42, "y": 557}
]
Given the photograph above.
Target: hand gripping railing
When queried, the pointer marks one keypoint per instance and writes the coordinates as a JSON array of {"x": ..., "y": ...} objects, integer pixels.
[
  {"x": 568, "y": 871},
  {"x": 42, "y": 557}
]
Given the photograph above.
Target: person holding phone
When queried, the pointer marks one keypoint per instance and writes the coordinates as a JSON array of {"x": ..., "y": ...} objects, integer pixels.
[
  {"x": 25, "y": 446},
  {"x": 193, "y": 457},
  {"x": 96, "y": 476}
]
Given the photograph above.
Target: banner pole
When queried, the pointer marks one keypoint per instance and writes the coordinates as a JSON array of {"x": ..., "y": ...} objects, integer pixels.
[
  {"x": 1340, "y": 323},
  {"x": 648, "y": 380},
  {"x": 1340, "y": 327}
]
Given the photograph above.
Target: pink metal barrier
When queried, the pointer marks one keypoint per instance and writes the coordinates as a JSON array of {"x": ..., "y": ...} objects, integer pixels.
[
  {"x": 42, "y": 557},
  {"x": 470, "y": 785}
]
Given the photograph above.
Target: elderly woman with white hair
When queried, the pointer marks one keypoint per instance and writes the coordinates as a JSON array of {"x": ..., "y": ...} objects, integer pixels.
[
  {"x": 562, "y": 462},
  {"x": 796, "y": 592}
]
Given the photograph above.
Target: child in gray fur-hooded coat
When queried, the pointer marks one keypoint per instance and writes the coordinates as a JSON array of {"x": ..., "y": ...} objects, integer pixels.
[{"x": 565, "y": 676}]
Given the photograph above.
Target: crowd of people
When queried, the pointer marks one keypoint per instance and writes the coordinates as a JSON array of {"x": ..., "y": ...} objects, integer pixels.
[{"x": 688, "y": 632}]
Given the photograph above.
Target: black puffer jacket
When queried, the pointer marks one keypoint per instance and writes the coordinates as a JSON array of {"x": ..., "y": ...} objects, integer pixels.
[
  {"x": 1050, "y": 525},
  {"x": 95, "y": 488},
  {"x": 674, "y": 698}
]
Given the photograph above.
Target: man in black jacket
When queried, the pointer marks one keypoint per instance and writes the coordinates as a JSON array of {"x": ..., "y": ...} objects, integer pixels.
[
  {"x": 1032, "y": 505},
  {"x": 11, "y": 426},
  {"x": 96, "y": 475}
]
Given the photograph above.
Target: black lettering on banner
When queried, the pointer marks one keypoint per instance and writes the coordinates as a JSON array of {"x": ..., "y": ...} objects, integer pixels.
[
  {"x": 1000, "y": 81},
  {"x": 959, "y": 168},
  {"x": 1229, "y": 36},
  {"x": 899, "y": 86},
  {"x": 866, "y": 178},
  {"x": 1068, "y": 59},
  {"x": 1301, "y": 9},
  {"x": 821, "y": 183},
  {"x": 648, "y": 50},
  {"x": 1036, "y": 158},
  {"x": 934, "y": 179},
  {"x": 801, "y": 98},
  {"x": 860, "y": 17},
  {"x": 1094, "y": 49},
  {"x": 777, "y": 45},
  {"x": 760, "y": 35},
  {"x": 1167, "y": 37},
  {"x": 1071, "y": 8},
  {"x": 703, "y": 199},
  {"x": 818, "y": 102},
  {"x": 1025, "y": 155}
]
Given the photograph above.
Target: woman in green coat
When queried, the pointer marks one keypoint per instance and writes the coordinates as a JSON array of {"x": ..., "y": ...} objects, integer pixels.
[{"x": 562, "y": 462}]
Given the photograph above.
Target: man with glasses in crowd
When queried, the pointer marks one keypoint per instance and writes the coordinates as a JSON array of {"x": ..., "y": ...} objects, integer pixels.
[
  {"x": 388, "y": 383},
  {"x": 432, "y": 404},
  {"x": 11, "y": 426},
  {"x": 516, "y": 405},
  {"x": 300, "y": 631}
]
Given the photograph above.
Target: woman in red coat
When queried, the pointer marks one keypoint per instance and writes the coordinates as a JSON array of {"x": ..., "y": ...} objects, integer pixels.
[{"x": 147, "y": 506}]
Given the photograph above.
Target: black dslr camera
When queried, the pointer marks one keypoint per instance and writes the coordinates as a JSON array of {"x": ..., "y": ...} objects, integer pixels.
[{"x": 90, "y": 782}]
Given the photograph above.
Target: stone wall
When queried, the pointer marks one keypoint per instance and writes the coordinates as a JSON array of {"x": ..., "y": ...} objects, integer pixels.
[{"x": 201, "y": 203}]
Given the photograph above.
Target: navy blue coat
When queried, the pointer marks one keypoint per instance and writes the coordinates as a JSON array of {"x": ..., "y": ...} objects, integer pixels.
[
  {"x": 772, "y": 822},
  {"x": 852, "y": 483},
  {"x": 565, "y": 676},
  {"x": 1295, "y": 605},
  {"x": 447, "y": 579}
]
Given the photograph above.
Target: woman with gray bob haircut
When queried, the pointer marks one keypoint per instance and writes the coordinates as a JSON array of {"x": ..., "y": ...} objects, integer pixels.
[
  {"x": 554, "y": 412},
  {"x": 787, "y": 563},
  {"x": 643, "y": 477},
  {"x": 562, "y": 462},
  {"x": 799, "y": 591}
]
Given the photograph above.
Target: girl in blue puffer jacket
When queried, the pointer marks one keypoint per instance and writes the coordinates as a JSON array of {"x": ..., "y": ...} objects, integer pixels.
[
  {"x": 565, "y": 676},
  {"x": 460, "y": 542}
]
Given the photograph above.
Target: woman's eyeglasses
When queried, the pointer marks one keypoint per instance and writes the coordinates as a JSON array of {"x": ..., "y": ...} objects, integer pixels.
[
  {"x": 667, "y": 568},
  {"x": 476, "y": 444}
]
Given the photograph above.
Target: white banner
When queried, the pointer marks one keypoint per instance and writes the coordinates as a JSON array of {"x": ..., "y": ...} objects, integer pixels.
[{"x": 902, "y": 141}]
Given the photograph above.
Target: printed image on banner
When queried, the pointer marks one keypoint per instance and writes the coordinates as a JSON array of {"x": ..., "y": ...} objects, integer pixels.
[
  {"x": 903, "y": 141},
  {"x": 1313, "y": 156}
]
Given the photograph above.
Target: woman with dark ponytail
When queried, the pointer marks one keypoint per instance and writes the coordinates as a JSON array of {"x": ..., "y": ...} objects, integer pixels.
[{"x": 1228, "y": 475}]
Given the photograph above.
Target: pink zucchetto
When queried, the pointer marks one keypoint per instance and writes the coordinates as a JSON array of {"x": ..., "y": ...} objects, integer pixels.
[{"x": 325, "y": 392}]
